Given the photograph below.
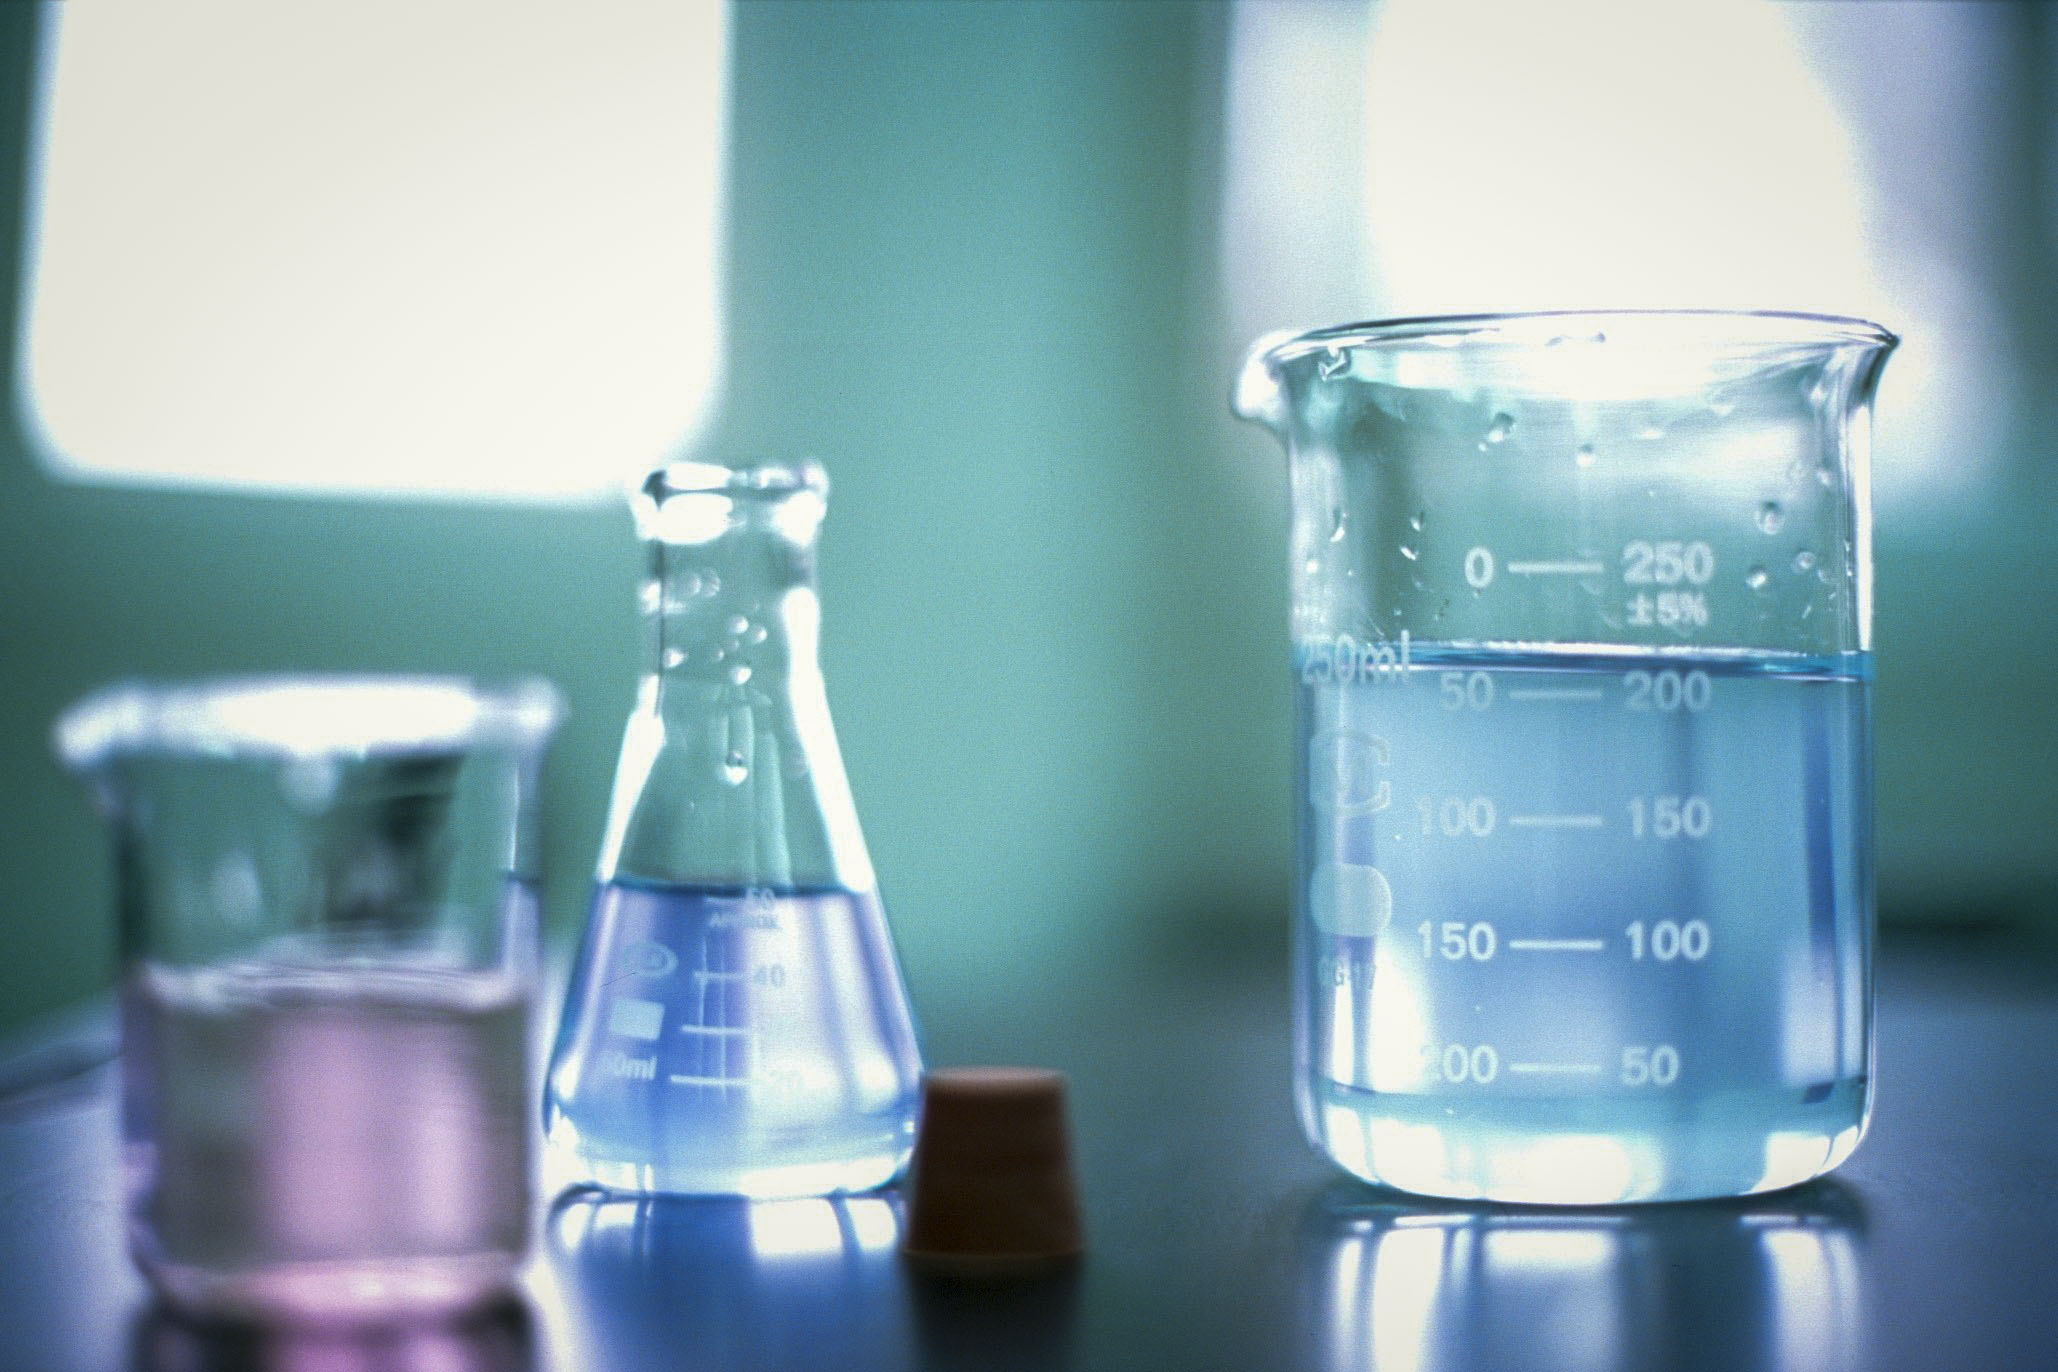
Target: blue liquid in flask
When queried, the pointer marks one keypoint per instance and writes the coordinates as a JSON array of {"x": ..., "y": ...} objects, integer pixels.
[
  {"x": 739, "y": 1041},
  {"x": 1584, "y": 928}
]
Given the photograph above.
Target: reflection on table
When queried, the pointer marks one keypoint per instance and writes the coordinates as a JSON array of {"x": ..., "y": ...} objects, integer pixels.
[
  {"x": 727, "y": 1283},
  {"x": 498, "y": 1339},
  {"x": 1400, "y": 1286}
]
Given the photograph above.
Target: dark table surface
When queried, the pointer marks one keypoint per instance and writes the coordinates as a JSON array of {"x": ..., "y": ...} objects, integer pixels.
[{"x": 1218, "y": 1239}]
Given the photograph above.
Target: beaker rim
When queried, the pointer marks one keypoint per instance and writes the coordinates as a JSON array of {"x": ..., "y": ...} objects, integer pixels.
[
  {"x": 1719, "y": 328},
  {"x": 282, "y": 716}
]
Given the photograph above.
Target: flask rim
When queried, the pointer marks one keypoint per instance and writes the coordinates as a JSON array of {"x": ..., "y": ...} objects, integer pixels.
[{"x": 764, "y": 480}]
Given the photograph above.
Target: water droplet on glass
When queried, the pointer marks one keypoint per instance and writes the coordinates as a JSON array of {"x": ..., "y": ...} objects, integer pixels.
[
  {"x": 674, "y": 657},
  {"x": 1415, "y": 520},
  {"x": 651, "y": 596},
  {"x": 1334, "y": 363},
  {"x": 1803, "y": 560},
  {"x": 1312, "y": 565},
  {"x": 1409, "y": 553},
  {"x": 1340, "y": 519},
  {"x": 1822, "y": 575},
  {"x": 1502, "y": 426},
  {"x": 1824, "y": 477},
  {"x": 1585, "y": 455},
  {"x": 735, "y": 768},
  {"x": 1770, "y": 517},
  {"x": 710, "y": 584},
  {"x": 1756, "y": 578},
  {"x": 738, "y": 674},
  {"x": 1722, "y": 409},
  {"x": 756, "y": 634},
  {"x": 735, "y": 625}
]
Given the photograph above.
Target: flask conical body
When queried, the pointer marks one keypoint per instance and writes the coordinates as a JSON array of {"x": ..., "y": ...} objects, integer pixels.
[{"x": 736, "y": 1021}]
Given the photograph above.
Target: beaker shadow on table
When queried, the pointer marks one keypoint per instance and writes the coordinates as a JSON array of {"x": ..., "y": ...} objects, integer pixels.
[
  {"x": 497, "y": 1338},
  {"x": 1400, "y": 1284},
  {"x": 721, "y": 1282}
]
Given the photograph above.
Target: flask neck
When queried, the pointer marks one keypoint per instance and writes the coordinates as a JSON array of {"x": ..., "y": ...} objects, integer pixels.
[
  {"x": 730, "y": 775},
  {"x": 737, "y": 611}
]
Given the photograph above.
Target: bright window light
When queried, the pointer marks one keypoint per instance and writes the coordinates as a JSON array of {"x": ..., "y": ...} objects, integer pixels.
[
  {"x": 461, "y": 248},
  {"x": 1597, "y": 151},
  {"x": 1445, "y": 156}
]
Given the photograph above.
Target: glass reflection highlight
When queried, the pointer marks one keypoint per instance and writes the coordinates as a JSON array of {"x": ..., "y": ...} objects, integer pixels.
[
  {"x": 1398, "y": 1288},
  {"x": 722, "y": 1282}
]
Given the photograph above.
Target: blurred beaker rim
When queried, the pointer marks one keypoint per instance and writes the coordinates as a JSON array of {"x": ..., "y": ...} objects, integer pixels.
[{"x": 298, "y": 715}]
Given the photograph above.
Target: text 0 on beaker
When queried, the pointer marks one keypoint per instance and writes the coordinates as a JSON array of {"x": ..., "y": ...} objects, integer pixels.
[
  {"x": 327, "y": 909},
  {"x": 1581, "y": 617}
]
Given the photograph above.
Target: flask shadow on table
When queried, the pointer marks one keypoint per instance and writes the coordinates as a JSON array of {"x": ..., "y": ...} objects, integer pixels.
[
  {"x": 719, "y": 1282},
  {"x": 1394, "y": 1281}
]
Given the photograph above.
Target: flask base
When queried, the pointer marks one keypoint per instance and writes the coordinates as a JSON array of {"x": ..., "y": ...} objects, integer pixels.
[{"x": 565, "y": 1171}]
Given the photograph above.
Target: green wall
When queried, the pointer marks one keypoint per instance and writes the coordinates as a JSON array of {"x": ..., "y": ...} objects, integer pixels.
[
  {"x": 971, "y": 267},
  {"x": 965, "y": 272}
]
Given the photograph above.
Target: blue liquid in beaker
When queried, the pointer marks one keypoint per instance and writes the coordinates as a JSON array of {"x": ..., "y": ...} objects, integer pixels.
[
  {"x": 1584, "y": 927},
  {"x": 733, "y": 1040}
]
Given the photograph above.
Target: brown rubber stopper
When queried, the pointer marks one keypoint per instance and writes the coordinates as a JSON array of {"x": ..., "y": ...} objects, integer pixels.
[{"x": 990, "y": 1187}]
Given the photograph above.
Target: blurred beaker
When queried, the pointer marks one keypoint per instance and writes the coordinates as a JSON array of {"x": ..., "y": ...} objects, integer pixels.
[{"x": 327, "y": 919}]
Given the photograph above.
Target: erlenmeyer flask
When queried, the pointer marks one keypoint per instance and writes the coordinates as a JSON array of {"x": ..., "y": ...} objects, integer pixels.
[{"x": 736, "y": 1021}]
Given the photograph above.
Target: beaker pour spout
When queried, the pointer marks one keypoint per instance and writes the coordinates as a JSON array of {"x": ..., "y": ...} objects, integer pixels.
[{"x": 1257, "y": 394}]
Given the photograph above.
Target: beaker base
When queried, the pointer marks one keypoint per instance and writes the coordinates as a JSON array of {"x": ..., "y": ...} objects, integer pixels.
[
  {"x": 336, "y": 1291},
  {"x": 1589, "y": 1150}
]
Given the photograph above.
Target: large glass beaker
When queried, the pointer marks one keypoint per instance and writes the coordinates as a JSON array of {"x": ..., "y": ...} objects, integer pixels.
[{"x": 1581, "y": 634}]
